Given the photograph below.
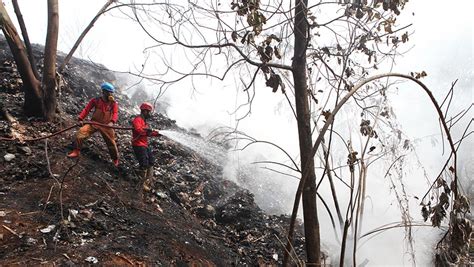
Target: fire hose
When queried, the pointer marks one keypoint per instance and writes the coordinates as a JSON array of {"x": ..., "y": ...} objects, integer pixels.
[{"x": 65, "y": 130}]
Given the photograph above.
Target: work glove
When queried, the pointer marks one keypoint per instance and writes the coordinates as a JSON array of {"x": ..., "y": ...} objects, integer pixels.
[{"x": 149, "y": 131}]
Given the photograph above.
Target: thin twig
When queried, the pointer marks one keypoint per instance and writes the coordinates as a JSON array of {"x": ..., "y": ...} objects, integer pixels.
[
  {"x": 112, "y": 190},
  {"x": 47, "y": 199},
  {"x": 47, "y": 160},
  {"x": 11, "y": 231},
  {"x": 125, "y": 259},
  {"x": 290, "y": 253},
  {"x": 62, "y": 186}
]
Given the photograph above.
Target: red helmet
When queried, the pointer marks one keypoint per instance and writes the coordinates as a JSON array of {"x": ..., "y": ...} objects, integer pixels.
[{"x": 146, "y": 106}]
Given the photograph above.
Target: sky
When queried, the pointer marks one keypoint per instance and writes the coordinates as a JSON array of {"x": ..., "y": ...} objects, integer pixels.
[
  {"x": 442, "y": 39},
  {"x": 441, "y": 44}
]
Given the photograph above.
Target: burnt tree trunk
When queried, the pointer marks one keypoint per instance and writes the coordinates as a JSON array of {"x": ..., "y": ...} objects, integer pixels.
[
  {"x": 31, "y": 85},
  {"x": 310, "y": 212},
  {"x": 49, "y": 71},
  {"x": 26, "y": 39}
]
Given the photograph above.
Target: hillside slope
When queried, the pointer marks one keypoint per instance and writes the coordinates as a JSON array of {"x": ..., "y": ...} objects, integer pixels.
[{"x": 55, "y": 210}]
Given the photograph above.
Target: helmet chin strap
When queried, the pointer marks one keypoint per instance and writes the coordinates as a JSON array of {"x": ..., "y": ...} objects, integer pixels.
[{"x": 145, "y": 115}]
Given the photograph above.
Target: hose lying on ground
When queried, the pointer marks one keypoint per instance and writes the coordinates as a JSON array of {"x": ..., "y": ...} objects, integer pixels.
[{"x": 65, "y": 130}]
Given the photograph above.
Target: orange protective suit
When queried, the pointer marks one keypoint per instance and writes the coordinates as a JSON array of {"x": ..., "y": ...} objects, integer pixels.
[{"x": 104, "y": 112}]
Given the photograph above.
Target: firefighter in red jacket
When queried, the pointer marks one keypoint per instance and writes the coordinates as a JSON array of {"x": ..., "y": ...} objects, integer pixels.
[
  {"x": 105, "y": 112},
  {"x": 142, "y": 151}
]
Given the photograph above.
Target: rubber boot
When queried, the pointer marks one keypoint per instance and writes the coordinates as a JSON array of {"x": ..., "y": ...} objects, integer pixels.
[
  {"x": 141, "y": 173},
  {"x": 74, "y": 154},
  {"x": 149, "y": 173},
  {"x": 148, "y": 178}
]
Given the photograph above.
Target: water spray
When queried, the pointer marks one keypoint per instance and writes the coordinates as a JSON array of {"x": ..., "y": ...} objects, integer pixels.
[{"x": 208, "y": 150}]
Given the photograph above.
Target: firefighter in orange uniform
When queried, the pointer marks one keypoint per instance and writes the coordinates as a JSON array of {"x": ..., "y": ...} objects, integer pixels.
[{"x": 105, "y": 112}]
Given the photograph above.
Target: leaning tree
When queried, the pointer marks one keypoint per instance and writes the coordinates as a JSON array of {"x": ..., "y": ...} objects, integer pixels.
[
  {"x": 319, "y": 56},
  {"x": 40, "y": 96},
  {"x": 40, "y": 92}
]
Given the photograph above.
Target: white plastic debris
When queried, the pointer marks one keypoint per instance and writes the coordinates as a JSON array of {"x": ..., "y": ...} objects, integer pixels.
[
  {"x": 25, "y": 149},
  {"x": 92, "y": 260},
  {"x": 161, "y": 195},
  {"x": 158, "y": 208},
  {"x": 275, "y": 257},
  {"x": 8, "y": 157},
  {"x": 72, "y": 214},
  {"x": 48, "y": 229},
  {"x": 31, "y": 241},
  {"x": 3, "y": 213}
]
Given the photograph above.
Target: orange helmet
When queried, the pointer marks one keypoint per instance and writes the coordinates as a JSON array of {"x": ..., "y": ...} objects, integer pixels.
[{"x": 146, "y": 106}]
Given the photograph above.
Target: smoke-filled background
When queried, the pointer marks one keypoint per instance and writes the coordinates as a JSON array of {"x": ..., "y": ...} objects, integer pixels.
[{"x": 441, "y": 45}]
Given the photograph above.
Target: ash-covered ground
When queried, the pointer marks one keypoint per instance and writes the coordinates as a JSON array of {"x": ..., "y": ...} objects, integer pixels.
[{"x": 59, "y": 211}]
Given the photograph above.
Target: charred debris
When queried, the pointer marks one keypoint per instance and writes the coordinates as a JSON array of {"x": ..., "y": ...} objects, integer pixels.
[{"x": 55, "y": 210}]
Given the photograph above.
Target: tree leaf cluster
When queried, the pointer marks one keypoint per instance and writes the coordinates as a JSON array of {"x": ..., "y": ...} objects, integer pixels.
[
  {"x": 256, "y": 19},
  {"x": 460, "y": 236},
  {"x": 250, "y": 8},
  {"x": 461, "y": 205},
  {"x": 436, "y": 213},
  {"x": 418, "y": 75},
  {"x": 243, "y": 7},
  {"x": 274, "y": 81},
  {"x": 366, "y": 129},
  {"x": 352, "y": 160},
  {"x": 266, "y": 50},
  {"x": 393, "y": 5},
  {"x": 326, "y": 114}
]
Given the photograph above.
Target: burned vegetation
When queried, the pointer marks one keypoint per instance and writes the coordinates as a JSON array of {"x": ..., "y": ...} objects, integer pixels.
[{"x": 56, "y": 210}]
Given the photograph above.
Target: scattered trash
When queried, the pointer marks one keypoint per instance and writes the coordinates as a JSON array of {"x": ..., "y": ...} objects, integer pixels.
[
  {"x": 84, "y": 234},
  {"x": 8, "y": 157},
  {"x": 158, "y": 208},
  {"x": 25, "y": 150},
  {"x": 207, "y": 211},
  {"x": 31, "y": 241},
  {"x": 72, "y": 214},
  {"x": 56, "y": 236},
  {"x": 91, "y": 204},
  {"x": 92, "y": 260},
  {"x": 184, "y": 184},
  {"x": 48, "y": 229},
  {"x": 68, "y": 223},
  {"x": 239, "y": 208},
  {"x": 161, "y": 195},
  {"x": 88, "y": 213}
]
